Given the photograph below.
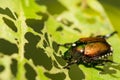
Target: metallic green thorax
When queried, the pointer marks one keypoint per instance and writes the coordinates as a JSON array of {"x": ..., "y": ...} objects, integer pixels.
[{"x": 74, "y": 53}]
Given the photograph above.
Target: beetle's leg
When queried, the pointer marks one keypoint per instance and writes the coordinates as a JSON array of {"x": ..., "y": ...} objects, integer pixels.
[
  {"x": 69, "y": 64},
  {"x": 108, "y": 35},
  {"x": 67, "y": 45},
  {"x": 108, "y": 61},
  {"x": 100, "y": 69},
  {"x": 101, "y": 62}
]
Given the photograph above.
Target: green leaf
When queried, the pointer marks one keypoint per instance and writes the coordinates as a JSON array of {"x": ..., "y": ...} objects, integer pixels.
[
  {"x": 112, "y": 10},
  {"x": 31, "y": 30}
]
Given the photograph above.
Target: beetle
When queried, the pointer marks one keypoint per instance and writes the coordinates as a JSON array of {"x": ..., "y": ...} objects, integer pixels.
[{"x": 90, "y": 51}]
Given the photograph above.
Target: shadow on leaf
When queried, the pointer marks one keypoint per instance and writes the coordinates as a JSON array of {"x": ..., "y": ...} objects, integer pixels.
[{"x": 111, "y": 69}]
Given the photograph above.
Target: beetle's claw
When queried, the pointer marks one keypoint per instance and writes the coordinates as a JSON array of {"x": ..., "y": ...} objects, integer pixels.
[{"x": 66, "y": 67}]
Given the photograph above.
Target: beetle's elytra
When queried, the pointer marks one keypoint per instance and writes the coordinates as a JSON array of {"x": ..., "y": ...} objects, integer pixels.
[{"x": 90, "y": 51}]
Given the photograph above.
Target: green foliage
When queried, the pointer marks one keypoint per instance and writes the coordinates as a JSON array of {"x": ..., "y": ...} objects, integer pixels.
[
  {"x": 112, "y": 9},
  {"x": 31, "y": 29}
]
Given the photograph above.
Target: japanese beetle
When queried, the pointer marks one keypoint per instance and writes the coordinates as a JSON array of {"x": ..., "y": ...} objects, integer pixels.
[{"x": 90, "y": 51}]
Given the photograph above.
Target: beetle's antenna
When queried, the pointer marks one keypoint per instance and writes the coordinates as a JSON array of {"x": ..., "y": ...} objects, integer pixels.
[{"x": 108, "y": 35}]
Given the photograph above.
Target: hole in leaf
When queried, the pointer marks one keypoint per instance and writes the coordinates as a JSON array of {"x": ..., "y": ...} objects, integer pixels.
[
  {"x": 10, "y": 24},
  {"x": 66, "y": 22},
  {"x": 45, "y": 44},
  {"x": 2, "y": 68},
  {"x": 55, "y": 46},
  {"x": 56, "y": 65},
  {"x": 14, "y": 67},
  {"x": 8, "y": 48},
  {"x": 57, "y": 76},
  {"x": 75, "y": 73},
  {"x": 77, "y": 29},
  {"x": 7, "y": 12},
  {"x": 36, "y": 24},
  {"x": 37, "y": 54},
  {"x": 59, "y": 28},
  {"x": 60, "y": 60},
  {"x": 46, "y": 37},
  {"x": 30, "y": 72}
]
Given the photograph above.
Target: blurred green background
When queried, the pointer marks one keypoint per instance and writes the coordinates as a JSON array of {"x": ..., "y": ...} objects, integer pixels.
[{"x": 31, "y": 29}]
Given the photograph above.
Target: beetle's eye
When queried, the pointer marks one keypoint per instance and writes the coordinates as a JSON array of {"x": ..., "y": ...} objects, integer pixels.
[{"x": 73, "y": 44}]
